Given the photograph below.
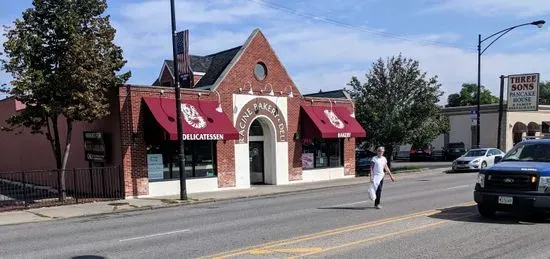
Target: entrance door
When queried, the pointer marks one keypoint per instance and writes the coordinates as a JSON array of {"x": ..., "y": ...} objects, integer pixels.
[{"x": 256, "y": 156}]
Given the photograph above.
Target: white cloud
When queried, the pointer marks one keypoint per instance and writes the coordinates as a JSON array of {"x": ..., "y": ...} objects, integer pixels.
[
  {"x": 517, "y": 8},
  {"x": 318, "y": 55},
  {"x": 155, "y": 14},
  {"x": 329, "y": 62}
]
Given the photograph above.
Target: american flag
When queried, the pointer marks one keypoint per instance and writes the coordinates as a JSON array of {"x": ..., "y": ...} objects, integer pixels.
[{"x": 182, "y": 50}]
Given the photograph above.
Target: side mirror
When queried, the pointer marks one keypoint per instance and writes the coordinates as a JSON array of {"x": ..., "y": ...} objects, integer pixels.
[{"x": 498, "y": 159}]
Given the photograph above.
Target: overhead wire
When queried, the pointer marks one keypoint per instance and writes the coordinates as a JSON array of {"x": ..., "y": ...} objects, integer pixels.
[{"x": 354, "y": 27}]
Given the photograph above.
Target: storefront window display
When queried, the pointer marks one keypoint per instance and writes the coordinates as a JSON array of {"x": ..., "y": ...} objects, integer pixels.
[
  {"x": 199, "y": 159},
  {"x": 323, "y": 153}
]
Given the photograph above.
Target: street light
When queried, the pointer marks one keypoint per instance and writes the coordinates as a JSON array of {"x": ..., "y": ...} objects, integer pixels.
[
  {"x": 539, "y": 24},
  {"x": 179, "y": 125}
]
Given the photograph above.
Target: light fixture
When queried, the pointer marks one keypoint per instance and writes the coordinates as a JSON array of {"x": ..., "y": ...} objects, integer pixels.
[
  {"x": 539, "y": 23},
  {"x": 271, "y": 89},
  {"x": 219, "y": 108},
  {"x": 353, "y": 108},
  {"x": 290, "y": 94},
  {"x": 251, "y": 91},
  {"x": 330, "y": 101}
]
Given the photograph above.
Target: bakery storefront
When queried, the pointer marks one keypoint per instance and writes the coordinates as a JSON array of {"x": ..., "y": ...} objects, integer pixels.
[{"x": 244, "y": 123}]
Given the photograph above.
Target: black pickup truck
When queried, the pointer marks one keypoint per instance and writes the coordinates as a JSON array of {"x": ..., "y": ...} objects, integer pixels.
[{"x": 519, "y": 182}]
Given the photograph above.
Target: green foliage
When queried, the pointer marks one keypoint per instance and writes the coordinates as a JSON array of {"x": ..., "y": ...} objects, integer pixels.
[
  {"x": 397, "y": 104},
  {"x": 468, "y": 96},
  {"x": 544, "y": 93},
  {"x": 63, "y": 62}
]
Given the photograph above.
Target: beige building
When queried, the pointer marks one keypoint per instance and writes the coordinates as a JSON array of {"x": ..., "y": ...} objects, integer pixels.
[{"x": 515, "y": 125}]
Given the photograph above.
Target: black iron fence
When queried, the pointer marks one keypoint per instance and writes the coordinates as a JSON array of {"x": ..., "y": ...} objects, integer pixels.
[{"x": 57, "y": 187}]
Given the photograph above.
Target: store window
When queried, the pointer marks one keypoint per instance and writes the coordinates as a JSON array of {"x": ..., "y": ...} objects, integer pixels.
[
  {"x": 199, "y": 160},
  {"x": 323, "y": 153}
]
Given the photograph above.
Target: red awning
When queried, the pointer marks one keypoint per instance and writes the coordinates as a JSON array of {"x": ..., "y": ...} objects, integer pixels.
[
  {"x": 327, "y": 122},
  {"x": 200, "y": 119}
]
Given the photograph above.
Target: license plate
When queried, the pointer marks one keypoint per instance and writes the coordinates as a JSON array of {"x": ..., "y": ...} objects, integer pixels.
[
  {"x": 505, "y": 200},
  {"x": 420, "y": 152}
]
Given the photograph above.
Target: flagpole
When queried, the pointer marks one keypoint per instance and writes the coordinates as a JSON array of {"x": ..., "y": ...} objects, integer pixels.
[{"x": 181, "y": 156}]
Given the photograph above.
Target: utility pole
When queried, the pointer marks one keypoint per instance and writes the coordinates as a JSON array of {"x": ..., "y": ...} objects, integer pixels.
[{"x": 181, "y": 156}]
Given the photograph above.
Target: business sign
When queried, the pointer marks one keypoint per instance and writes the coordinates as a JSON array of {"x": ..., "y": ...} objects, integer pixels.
[
  {"x": 96, "y": 147},
  {"x": 545, "y": 127},
  {"x": 155, "y": 167},
  {"x": 523, "y": 92},
  {"x": 260, "y": 107},
  {"x": 191, "y": 136}
]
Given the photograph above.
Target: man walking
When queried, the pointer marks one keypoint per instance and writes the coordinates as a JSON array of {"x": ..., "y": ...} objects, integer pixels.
[{"x": 378, "y": 169}]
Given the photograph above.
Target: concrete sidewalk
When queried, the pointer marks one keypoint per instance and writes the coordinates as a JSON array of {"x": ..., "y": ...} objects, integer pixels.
[{"x": 99, "y": 208}]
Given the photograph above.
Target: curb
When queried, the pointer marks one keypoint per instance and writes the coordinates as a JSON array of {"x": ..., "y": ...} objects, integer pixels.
[{"x": 206, "y": 201}]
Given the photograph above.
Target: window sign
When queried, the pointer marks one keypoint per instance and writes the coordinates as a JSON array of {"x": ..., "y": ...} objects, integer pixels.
[
  {"x": 155, "y": 166},
  {"x": 307, "y": 160}
]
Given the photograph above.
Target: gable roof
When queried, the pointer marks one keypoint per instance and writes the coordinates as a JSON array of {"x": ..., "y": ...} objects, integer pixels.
[
  {"x": 212, "y": 65},
  {"x": 341, "y": 94}
]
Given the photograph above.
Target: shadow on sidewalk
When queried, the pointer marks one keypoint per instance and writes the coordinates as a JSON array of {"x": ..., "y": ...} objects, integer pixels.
[
  {"x": 470, "y": 214},
  {"x": 88, "y": 257}
]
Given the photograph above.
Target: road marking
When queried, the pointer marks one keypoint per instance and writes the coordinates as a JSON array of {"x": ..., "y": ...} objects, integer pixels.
[
  {"x": 391, "y": 197},
  {"x": 286, "y": 250},
  {"x": 330, "y": 232},
  {"x": 459, "y": 187},
  {"x": 154, "y": 235},
  {"x": 401, "y": 232}
]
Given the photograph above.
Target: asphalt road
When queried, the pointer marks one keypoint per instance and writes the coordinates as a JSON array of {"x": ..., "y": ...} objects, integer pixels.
[
  {"x": 428, "y": 164},
  {"x": 334, "y": 223}
]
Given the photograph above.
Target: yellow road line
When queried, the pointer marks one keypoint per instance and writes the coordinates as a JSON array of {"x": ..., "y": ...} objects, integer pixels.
[
  {"x": 364, "y": 241},
  {"x": 286, "y": 250},
  {"x": 330, "y": 232}
]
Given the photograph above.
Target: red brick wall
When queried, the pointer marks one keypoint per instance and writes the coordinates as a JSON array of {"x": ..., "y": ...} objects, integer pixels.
[{"x": 242, "y": 72}]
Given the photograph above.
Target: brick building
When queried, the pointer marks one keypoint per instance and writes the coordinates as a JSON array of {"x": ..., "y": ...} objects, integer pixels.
[{"x": 245, "y": 122}]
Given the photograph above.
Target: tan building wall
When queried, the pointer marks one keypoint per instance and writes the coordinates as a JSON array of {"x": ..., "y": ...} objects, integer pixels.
[
  {"x": 462, "y": 129},
  {"x": 543, "y": 114}
]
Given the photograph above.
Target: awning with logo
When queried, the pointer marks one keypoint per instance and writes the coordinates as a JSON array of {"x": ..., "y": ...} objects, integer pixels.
[
  {"x": 200, "y": 119},
  {"x": 330, "y": 122}
]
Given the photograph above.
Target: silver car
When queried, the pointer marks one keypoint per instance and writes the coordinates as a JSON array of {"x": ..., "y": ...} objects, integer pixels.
[{"x": 478, "y": 158}]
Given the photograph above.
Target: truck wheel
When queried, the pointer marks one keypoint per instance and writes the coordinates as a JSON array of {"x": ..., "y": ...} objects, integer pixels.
[{"x": 485, "y": 211}]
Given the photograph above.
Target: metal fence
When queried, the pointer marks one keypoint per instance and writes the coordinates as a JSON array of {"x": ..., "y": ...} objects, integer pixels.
[{"x": 57, "y": 187}]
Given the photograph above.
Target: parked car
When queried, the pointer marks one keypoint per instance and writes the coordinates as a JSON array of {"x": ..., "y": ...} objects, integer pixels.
[
  {"x": 422, "y": 153},
  {"x": 363, "y": 159},
  {"x": 519, "y": 182},
  {"x": 453, "y": 151},
  {"x": 478, "y": 158},
  {"x": 402, "y": 155}
]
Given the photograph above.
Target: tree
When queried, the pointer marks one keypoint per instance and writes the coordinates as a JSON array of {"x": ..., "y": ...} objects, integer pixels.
[
  {"x": 468, "y": 96},
  {"x": 544, "y": 93},
  {"x": 397, "y": 104},
  {"x": 63, "y": 62}
]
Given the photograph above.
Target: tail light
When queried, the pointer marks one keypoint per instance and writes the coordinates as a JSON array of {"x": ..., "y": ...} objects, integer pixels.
[
  {"x": 413, "y": 151},
  {"x": 427, "y": 151}
]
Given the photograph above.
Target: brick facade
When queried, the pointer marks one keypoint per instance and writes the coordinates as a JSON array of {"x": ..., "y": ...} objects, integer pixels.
[{"x": 236, "y": 79}]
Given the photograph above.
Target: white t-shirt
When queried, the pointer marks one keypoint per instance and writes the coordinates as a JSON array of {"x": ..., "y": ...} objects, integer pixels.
[{"x": 379, "y": 163}]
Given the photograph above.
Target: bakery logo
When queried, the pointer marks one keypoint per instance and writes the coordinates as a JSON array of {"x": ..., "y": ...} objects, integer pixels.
[
  {"x": 334, "y": 120},
  {"x": 192, "y": 116}
]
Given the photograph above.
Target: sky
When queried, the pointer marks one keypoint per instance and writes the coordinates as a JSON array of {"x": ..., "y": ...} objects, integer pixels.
[{"x": 323, "y": 43}]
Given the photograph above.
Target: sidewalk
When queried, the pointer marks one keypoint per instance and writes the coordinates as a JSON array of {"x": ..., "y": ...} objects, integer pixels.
[{"x": 99, "y": 208}]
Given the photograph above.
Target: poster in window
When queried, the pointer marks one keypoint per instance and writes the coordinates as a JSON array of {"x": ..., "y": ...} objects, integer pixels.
[
  {"x": 155, "y": 167},
  {"x": 307, "y": 160}
]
